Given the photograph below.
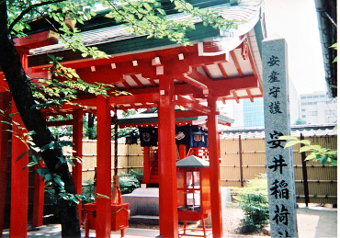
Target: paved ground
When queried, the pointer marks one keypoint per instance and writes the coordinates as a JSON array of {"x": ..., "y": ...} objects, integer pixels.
[
  {"x": 312, "y": 222},
  {"x": 317, "y": 222}
]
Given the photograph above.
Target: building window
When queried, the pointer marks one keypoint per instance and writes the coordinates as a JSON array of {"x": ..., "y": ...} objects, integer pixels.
[
  {"x": 312, "y": 113},
  {"x": 303, "y": 116},
  {"x": 310, "y": 103},
  {"x": 322, "y": 96},
  {"x": 309, "y": 96},
  {"x": 303, "y": 97},
  {"x": 316, "y": 96},
  {"x": 303, "y": 110},
  {"x": 304, "y": 103},
  {"x": 329, "y": 112}
]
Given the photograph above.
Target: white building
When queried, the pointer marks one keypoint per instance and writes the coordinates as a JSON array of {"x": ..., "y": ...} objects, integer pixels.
[
  {"x": 318, "y": 108},
  {"x": 250, "y": 114}
]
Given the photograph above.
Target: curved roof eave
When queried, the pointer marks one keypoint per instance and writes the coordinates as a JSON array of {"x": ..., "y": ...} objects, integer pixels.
[{"x": 248, "y": 12}]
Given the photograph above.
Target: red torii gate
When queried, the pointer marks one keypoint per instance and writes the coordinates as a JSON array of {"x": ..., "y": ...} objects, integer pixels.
[{"x": 162, "y": 77}]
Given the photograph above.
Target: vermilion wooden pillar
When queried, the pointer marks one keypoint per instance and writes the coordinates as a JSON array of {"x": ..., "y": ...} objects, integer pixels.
[
  {"x": 4, "y": 103},
  {"x": 38, "y": 200},
  {"x": 103, "y": 215},
  {"x": 182, "y": 151},
  {"x": 146, "y": 178},
  {"x": 168, "y": 218},
  {"x": 78, "y": 148},
  {"x": 214, "y": 155},
  {"x": 19, "y": 183}
]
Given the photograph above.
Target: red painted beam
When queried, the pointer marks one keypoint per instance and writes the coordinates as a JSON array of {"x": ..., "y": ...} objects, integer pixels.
[
  {"x": 102, "y": 74},
  {"x": 60, "y": 123},
  {"x": 192, "y": 105},
  {"x": 88, "y": 62},
  {"x": 131, "y": 99},
  {"x": 37, "y": 40},
  {"x": 221, "y": 88},
  {"x": 193, "y": 81},
  {"x": 103, "y": 218}
]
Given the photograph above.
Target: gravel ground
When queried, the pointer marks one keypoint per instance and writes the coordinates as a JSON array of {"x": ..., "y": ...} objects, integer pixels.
[{"x": 231, "y": 222}]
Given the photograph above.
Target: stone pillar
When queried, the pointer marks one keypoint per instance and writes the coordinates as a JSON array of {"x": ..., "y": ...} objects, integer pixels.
[{"x": 280, "y": 170}]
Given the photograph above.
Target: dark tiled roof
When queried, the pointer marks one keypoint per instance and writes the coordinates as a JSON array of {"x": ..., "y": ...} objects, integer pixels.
[
  {"x": 296, "y": 130},
  {"x": 246, "y": 11}
]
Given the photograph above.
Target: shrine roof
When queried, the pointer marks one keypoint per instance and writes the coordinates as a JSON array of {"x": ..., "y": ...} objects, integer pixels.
[
  {"x": 224, "y": 64},
  {"x": 101, "y": 30},
  {"x": 296, "y": 130},
  {"x": 151, "y": 119},
  {"x": 191, "y": 161}
]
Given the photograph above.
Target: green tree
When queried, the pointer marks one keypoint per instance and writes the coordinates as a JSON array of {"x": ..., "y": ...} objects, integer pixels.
[
  {"x": 300, "y": 121},
  {"x": 142, "y": 17}
]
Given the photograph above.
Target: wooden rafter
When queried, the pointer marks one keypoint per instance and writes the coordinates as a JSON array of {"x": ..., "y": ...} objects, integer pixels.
[
  {"x": 207, "y": 71},
  {"x": 137, "y": 81},
  {"x": 237, "y": 65},
  {"x": 235, "y": 96},
  {"x": 224, "y": 73},
  {"x": 250, "y": 95},
  {"x": 192, "y": 105}
]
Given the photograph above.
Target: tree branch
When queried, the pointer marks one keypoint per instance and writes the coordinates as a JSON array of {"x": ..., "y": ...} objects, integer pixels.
[{"x": 28, "y": 9}]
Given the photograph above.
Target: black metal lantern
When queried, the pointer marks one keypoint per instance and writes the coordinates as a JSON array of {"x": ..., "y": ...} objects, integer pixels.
[
  {"x": 198, "y": 136},
  {"x": 131, "y": 138}
]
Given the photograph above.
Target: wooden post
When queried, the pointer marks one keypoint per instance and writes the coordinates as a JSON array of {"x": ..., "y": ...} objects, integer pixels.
[
  {"x": 19, "y": 182},
  {"x": 4, "y": 104},
  {"x": 19, "y": 176},
  {"x": 168, "y": 216},
  {"x": 214, "y": 153},
  {"x": 182, "y": 151},
  {"x": 38, "y": 200},
  {"x": 116, "y": 142},
  {"x": 146, "y": 166},
  {"x": 304, "y": 174},
  {"x": 78, "y": 148},
  {"x": 103, "y": 213},
  {"x": 240, "y": 156}
]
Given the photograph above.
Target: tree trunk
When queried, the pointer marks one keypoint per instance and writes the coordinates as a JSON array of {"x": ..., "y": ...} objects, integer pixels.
[{"x": 34, "y": 121}]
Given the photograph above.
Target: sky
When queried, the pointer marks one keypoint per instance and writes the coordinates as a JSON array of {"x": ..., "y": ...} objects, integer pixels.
[{"x": 295, "y": 20}]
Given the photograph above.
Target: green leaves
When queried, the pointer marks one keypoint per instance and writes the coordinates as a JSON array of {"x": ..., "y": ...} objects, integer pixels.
[{"x": 317, "y": 153}]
